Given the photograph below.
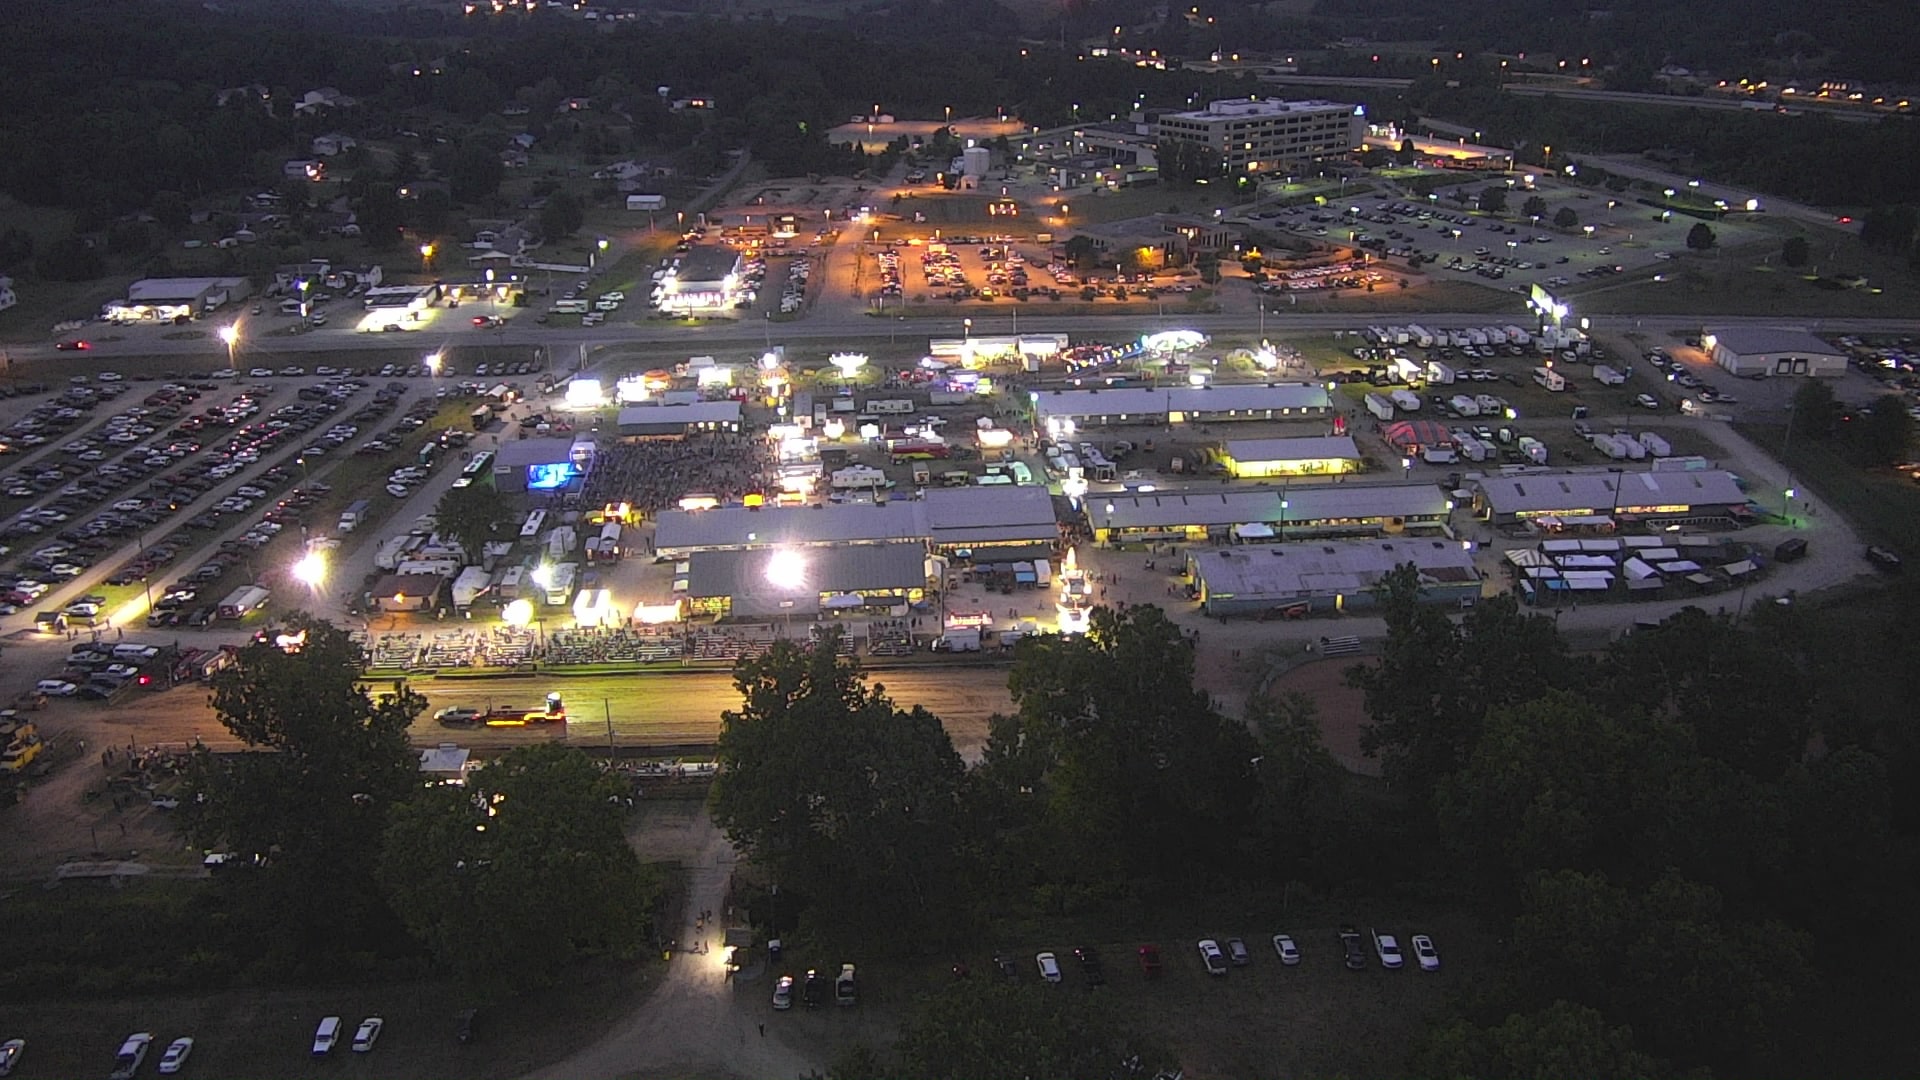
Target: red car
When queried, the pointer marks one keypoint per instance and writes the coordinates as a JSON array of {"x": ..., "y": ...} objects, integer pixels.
[
  {"x": 1150, "y": 961},
  {"x": 73, "y": 346}
]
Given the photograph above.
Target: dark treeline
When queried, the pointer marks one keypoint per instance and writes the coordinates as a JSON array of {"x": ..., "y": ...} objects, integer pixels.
[{"x": 1696, "y": 845}]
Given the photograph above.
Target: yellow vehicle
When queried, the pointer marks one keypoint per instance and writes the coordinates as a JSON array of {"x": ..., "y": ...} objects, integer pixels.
[{"x": 21, "y": 754}]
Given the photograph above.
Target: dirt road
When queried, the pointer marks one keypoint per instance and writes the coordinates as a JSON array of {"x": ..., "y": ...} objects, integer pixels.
[{"x": 691, "y": 1025}]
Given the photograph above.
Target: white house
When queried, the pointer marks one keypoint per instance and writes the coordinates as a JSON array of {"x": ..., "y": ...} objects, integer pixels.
[{"x": 326, "y": 97}]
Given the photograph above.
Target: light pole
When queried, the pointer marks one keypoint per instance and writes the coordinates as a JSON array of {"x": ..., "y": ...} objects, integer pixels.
[
  {"x": 230, "y": 334},
  {"x": 426, "y": 257},
  {"x": 602, "y": 246},
  {"x": 434, "y": 360}
]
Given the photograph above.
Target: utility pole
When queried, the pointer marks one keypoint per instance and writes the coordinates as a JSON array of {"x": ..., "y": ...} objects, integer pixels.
[{"x": 608, "y": 704}]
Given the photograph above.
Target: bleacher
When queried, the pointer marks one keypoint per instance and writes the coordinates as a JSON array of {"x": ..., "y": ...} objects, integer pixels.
[
  {"x": 601, "y": 645},
  {"x": 889, "y": 637},
  {"x": 728, "y": 643}
]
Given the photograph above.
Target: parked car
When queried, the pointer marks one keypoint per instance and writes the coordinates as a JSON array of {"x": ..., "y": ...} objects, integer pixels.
[
  {"x": 176, "y": 1056},
  {"x": 1090, "y": 966},
  {"x": 10, "y": 1052},
  {"x": 1237, "y": 953},
  {"x": 1212, "y": 957},
  {"x": 1284, "y": 947},
  {"x": 1006, "y": 966},
  {"x": 1884, "y": 558},
  {"x": 1388, "y": 949},
  {"x": 1424, "y": 952},
  {"x": 783, "y": 993},
  {"x": 132, "y": 1052},
  {"x": 1355, "y": 952},
  {"x": 325, "y": 1036},
  {"x": 368, "y": 1034},
  {"x": 1049, "y": 965}
]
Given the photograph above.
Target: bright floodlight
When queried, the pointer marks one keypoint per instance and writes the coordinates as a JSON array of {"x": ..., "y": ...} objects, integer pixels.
[
  {"x": 543, "y": 575},
  {"x": 848, "y": 363},
  {"x": 229, "y": 334},
  {"x": 518, "y": 613},
  {"x": 312, "y": 569},
  {"x": 434, "y": 359},
  {"x": 786, "y": 569}
]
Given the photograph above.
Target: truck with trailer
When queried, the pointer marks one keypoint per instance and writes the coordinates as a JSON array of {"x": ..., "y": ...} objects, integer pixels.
[
  {"x": 1608, "y": 376},
  {"x": 1464, "y": 404},
  {"x": 1549, "y": 378},
  {"x": 1439, "y": 373},
  {"x": 353, "y": 515},
  {"x": 242, "y": 602},
  {"x": 1406, "y": 399},
  {"x": 473, "y": 583},
  {"x": 1657, "y": 446},
  {"x": 1421, "y": 336},
  {"x": 1380, "y": 407},
  {"x": 958, "y": 639},
  {"x": 1533, "y": 449}
]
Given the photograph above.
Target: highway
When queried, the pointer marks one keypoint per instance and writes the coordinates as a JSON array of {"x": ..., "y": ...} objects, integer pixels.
[{"x": 663, "y": 710}]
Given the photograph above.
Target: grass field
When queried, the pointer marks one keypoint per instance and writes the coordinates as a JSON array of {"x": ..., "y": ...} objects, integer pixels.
[
  {"x": 1882, "y": 504},
  {"x": 1751, "y": 280}
]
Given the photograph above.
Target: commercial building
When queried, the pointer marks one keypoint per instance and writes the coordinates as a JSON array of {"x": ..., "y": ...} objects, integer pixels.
[
  {"x": 1266, "y": 513},
  {"x": 166, "y": 299},
  {"x": 1756, "y": 350},
  {"x": 1293, "y": 580},
  {"x": 761, "y": 583},
  {"x": 678, "y": 421},
  {"x": 706, "y": 278},
  {"x": 1254, "y": 459},
  {"x": 1560, "y": 498},
  {"x": 979, "y": 523},
  {"x": 1181, "y": 404},
  {"x": 1256, "y": 135},
  {"x": 542, "y": 466}
]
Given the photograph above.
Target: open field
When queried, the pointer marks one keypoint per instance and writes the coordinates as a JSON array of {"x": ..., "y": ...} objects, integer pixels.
[
  {"x": 1751, "y": 280},
  {"x": 1883, "y": 505}
]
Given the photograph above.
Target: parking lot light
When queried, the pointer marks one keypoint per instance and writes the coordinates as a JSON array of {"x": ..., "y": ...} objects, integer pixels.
[
  {"x": 311, "y": 570},
  {"x": 230, "y": 334}
]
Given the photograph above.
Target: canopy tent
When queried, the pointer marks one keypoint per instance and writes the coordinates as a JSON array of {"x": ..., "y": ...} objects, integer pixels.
[
  {"x": 1586, "y": 562},
  {"x": 1409, "y": 435},
  {"x": 1253, "y": 530},
  {"x": 1739, "y": 569}
]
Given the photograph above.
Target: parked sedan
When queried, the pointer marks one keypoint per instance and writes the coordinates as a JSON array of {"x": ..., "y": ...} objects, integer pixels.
[
  {"x": 1284, "y": 947},
  {"x": 368, "y": 1034},
  {"x": 1049, "y": 965},
  {"x": 1425, "y": 953},
  {"x": 1212, "y": 957},
  {"x": 176, "y": 1055},
  {"x": 55, "y": 687},
  {"x": 10, "y": 1052},
  {"x": 783, "y": 993}
]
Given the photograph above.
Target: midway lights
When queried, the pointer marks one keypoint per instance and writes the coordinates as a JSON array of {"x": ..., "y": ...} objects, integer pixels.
[
  {"x": 543, "y": 575},
  {"x": 1059, "y": 427},
  {"x": 585, "y": 394},
  {"x": 630, "y": 389},
  {"x": 848, "y": 364},
  {"x": 1266, "y": 358},
  {"x": 1173, "y": 341}
]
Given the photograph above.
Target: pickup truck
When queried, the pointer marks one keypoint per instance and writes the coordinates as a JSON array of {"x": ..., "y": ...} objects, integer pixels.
[{"x": 1356, "y": 953}]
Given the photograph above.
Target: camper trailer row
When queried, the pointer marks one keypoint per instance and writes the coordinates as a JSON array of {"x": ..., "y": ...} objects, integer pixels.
[
  {"x": 1468, "y": 337},
  {"x": 1620, "y": 446}
]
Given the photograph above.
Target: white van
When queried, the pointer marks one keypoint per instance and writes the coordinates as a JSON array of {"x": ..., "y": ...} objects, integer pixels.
[
  {"x": 135, "y": 653},
  {"x": 325, "y": 1036}
]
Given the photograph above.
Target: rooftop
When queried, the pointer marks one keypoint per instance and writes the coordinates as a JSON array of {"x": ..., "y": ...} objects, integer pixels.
[
  {"x": 1158, "y": 401},
  {"x": 742, "y": 575},
  {"x": 1230, "y": 107},
  {"x": 1311, "y": 448},
  {"x": 701, "y": 412},
  {"x": 1323, "y": 502},
  {"x": 1535, "y": 492},
  {"x": 521, "y": 453},
  {"x": 1757, "y": 340},
  {"x": 997, "y": 514},
  {"x": 706, "y": 262},
  {"x": 1316, "y": 568}
]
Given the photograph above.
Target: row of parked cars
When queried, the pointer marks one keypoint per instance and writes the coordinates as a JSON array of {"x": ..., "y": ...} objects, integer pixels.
[{"x": 1217, "y": 957}]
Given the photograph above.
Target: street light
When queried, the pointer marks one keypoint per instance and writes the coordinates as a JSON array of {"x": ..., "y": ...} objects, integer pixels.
[
  {"x": 602, "y": 246},
  {"x": 426, "y": 256},
  {"x": 230, "y": 334},
  {"x": 434, "y": 360}
]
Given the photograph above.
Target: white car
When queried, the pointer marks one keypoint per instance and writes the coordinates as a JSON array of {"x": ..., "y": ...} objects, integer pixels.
[
  {"x": 1212, "y": 957},
  {"x": 55, "y": 687},
  {"x": 369, "y": 1032},
  {"x": 110, "y": 376},
  {"x": 260, "y": 373},
  {"x": 325, "y": 1036},
  {"x": 783, "y": 993},
  {"x": 132, "y": 1052},
  {"x": 1284, "y": 947},
  {"x": 10, "y": 1052},
  {"x": 1425, "y": 953},
  {"x": 1388, "y": 949},
  {"x": 1646, "y": 401},
  {"x": 1049, "y": 966},
  {"x": 176, "y": 1055}
]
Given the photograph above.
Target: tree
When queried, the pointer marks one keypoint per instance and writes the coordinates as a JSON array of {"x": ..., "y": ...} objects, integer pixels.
[
  {"x": 1562, "y": 1041},
  {"x": 16, "y": 247},
  {"x": 1815, "y": 410},
  {"x": 129, "y": 236},
  {"x": 474, "y": 173},
  {"x": 472, "y": 516},
  {"x": 1117, "y": 767},
  {"x": 1081, "y": 251},
  {"x": 1795, "y": 251},
  {"x": 170, "y": 210},
  {"x": 989, "y": 1027},
  {"x": 1301, "y": 812},
  {"x": 311, "y": 805},
  {"x": 561, "y": 216},
  {"x": 1493, "y": 199},
  {"x": 843, "y": 797},
  {"x": 1885, "y": 431},
  {"x": 1701, "y": 238},
  {"x": 1534, "y": 207},
  {"x": 69, "y": 258},
  {"x": 1565, "y": 218},
  {"x": 521, "y": 871}
]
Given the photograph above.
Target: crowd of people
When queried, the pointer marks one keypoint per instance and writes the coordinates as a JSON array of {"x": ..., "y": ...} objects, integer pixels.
[{"x": 654, "y": 475}]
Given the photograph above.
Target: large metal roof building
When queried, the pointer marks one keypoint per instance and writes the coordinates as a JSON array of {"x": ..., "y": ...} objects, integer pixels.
[
  {"x": 1674, "y": 496},
  {"x": 1294, "y": 579},
  {"x": 741, "y": 583},
  {"x": 1183, "y": 404},
  {"x": 977, "y": 519},
  {"x": 1291, "y": 511}
]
